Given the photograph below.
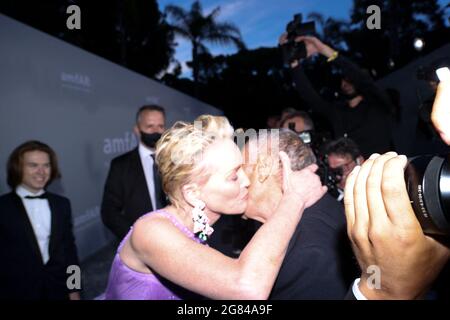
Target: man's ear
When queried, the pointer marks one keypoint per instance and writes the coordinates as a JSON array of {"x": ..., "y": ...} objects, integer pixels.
[
  {"x": 264, "y": 167},
  {"x": 136, "y": 131},
  {"x": 191, "y": 193}
]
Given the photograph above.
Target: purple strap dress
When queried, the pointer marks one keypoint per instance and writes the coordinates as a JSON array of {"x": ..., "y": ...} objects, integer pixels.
[{"x": 127, "y": 284}]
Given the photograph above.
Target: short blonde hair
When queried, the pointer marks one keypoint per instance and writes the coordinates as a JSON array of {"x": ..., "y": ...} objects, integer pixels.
[
  {"x": 216, "y": 125},
  {"x": 180, "y": 147}
]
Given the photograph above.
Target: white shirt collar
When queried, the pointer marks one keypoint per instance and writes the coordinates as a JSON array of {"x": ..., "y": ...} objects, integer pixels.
[
  {"x": 23, "y": 192},
  {"x": 144, "y": 151}
]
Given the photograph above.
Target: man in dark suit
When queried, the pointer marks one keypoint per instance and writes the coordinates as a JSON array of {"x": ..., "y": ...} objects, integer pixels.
[
  {"x": 319, "y": 262},
  {"x": 133, "y": 186},
  {"x": 36, "y": 239}
]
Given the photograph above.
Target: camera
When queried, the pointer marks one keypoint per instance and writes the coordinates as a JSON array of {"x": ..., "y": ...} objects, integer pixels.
[
  {"x": 294, "y": 51},
  {"x": 428, "y": 183},
  {"x": 306, "y": 135},
  {"x": 329, "y": 177}
]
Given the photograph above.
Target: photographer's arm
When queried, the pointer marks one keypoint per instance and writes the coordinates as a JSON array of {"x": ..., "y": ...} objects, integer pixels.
[
  {"x": 362, "y": 82},
  {"x": 309, "y": 95},
  {"x": 304, "y": 87}
]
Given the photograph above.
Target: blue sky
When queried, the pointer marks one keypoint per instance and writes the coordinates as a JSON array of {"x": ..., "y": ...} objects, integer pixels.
[{"x": 260, "y": 21}]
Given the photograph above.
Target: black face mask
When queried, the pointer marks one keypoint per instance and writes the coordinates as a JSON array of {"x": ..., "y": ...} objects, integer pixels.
[
  {"x": 350, "y": 96},
  {"x": 150, "y": 139}
]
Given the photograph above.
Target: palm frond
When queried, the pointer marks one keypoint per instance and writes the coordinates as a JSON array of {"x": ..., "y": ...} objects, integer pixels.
[
  {"x": 180, "y": 31},
  {"x": 318, "y": 17},
  {"x": 214, "y": 13},
  {"x": 176, "y": 13},
  {"x": 196, "y": 8}
]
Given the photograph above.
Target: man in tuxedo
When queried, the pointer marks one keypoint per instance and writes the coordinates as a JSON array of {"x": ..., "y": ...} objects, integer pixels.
[
  {"x": 319, "y": 262},
  {"x": 133, "y": 186},
  {"x": 36, "y": 238}
]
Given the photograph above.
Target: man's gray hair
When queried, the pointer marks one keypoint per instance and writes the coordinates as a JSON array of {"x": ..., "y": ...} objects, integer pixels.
[{"x": 300, "y": 154}]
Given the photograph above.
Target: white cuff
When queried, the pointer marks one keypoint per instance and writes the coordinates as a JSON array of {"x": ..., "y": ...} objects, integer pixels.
[{"x": 356, "y": 292}]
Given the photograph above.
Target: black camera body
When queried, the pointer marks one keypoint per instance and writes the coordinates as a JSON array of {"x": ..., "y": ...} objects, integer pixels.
[
  {"x": 294, "y": 51},
  {"x": 428, "y": 183},
  {"x": 306, "y": 135},
  {"x": 329, "y": 177}
]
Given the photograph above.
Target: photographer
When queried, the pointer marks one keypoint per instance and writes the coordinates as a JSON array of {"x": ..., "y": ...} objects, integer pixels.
[
  {"x": 364, "y": 116},
  {"x": 342, "y": 156},
  {"x": 383, "y": 226}
]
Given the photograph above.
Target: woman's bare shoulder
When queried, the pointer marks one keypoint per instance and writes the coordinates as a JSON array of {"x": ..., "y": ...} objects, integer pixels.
[{"x": 152, "y": 232}]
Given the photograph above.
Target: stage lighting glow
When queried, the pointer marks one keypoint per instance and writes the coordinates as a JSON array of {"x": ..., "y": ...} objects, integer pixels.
[
  {"x": 419, "y": 44},
  {"x": 391, "y": 63}
]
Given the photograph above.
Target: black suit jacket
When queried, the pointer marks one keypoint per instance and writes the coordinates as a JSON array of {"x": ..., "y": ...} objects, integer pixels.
[
  {"x": 23, "y": 274},
  {"x": 319, "y": 263},
  {"x": 126, "y": 196}
]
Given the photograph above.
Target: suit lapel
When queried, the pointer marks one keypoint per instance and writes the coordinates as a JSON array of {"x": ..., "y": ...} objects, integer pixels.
[
  {"x": 158, "y": 190},
  {"x": 137, "y": 179},
  {"x": 54, "y": 222},
  {"x": 27, "y": 227}
]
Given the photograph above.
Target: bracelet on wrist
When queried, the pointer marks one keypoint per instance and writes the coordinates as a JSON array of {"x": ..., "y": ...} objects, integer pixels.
[{"x": 333, "y": 56}]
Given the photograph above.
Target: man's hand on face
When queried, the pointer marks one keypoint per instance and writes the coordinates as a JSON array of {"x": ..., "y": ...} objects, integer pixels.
[
  {"x": 304, "y": 185},
  {"x": 385, "y": 232}
]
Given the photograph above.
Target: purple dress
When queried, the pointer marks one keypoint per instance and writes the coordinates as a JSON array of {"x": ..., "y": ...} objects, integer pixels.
[{"x": 127, "y": 284}]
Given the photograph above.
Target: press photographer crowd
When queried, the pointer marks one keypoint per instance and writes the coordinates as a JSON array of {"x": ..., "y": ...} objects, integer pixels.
[{"x": 321, "y": 206}]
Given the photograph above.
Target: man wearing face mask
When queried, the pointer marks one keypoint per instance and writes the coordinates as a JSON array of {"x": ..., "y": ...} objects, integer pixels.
[{"x": 133, "y": 186}]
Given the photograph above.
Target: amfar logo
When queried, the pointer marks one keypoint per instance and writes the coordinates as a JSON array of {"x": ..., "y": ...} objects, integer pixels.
[
  {"x": 120, "y": 145},
  {"x": 76, "y": 81}
]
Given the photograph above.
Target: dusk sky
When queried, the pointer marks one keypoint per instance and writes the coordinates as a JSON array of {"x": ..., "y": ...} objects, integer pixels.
[{"x": 260, "y": 21}]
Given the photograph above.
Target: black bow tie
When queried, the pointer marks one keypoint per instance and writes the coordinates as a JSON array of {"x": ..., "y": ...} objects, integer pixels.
[{"x": 42, "y": 196}]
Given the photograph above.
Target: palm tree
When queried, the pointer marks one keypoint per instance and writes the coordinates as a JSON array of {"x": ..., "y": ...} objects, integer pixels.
[
  {"x": 333, "y": 30},
  {"x": 199, "y": 28}
]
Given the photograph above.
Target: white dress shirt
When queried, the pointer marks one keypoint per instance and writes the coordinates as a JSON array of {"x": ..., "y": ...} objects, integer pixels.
[
  {"x": 38, "y": 211},
  {"x": 147, "y": 164},
  {"x": 356, "y": 292}
]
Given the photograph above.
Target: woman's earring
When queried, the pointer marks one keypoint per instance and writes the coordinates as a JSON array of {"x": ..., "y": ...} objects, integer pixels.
[{"x": 201, "y": 222}]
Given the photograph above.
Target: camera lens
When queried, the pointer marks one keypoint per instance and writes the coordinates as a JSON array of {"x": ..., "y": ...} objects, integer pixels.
[{"x": 428, "y": 183}]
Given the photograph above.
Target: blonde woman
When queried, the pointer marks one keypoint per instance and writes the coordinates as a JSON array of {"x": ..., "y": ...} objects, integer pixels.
[{"x": 165, "y": 256}]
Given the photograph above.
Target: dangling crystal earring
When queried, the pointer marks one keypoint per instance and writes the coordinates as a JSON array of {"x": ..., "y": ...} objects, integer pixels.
[{"x": 201, "y": 227}]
